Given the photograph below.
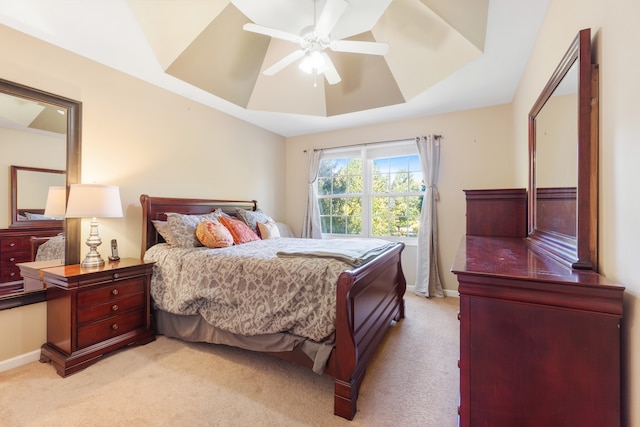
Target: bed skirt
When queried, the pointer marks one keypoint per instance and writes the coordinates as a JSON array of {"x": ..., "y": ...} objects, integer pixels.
[{"x": 194, "y": 328}]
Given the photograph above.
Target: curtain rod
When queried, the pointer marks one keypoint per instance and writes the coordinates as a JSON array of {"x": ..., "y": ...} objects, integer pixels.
[{"x": 364, "y": 144}]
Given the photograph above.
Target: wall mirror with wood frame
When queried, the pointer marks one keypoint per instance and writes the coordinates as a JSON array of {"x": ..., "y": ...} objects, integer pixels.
[
  {"x": 563, "y": 160},
  {"x": 53, "y": 123}
]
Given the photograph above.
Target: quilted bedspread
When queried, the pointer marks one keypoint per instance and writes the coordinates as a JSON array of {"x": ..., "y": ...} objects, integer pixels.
[{"x": 248, "y": 289}]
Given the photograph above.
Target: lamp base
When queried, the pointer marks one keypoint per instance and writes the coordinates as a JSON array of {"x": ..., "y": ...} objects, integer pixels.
[{"x": 93, "y": 258}]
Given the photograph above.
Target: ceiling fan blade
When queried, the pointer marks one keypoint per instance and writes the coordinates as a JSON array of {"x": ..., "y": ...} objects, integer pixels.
[
  {"x": 287, "y": 60},
  {"x": 328, "y": 19},
  {"x": 329, "y": 70},
  {"x": 272, "y": 32},
  {"x": 370, "y": 48}
]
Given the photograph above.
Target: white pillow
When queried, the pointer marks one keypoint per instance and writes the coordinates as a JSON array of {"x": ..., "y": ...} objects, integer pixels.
[
  {"x": 284, "y": 229},
  {"x": 268, "y": 230}
]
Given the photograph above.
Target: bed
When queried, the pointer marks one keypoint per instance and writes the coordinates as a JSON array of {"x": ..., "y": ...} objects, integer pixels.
[{"x": 368, "y": 298}]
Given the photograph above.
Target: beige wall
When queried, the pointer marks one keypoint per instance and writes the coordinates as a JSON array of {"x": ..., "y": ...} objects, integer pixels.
[
  {"x": 476, "y": 152},
  {"x": 22, "y": 330},
  {"x": 615, "y": 38},
  {"x": 145, "y": 140}
]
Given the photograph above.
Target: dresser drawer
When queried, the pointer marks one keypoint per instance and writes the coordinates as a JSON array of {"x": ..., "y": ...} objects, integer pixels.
[
  {"x": 112, "y": 292},
  {"x": 10, "y": 274},
  {"x": 94, "y": 333},
  {"x": 10, "y": 244},
  {"x": 11, "y": 258},
  {"x": 98, "y": 312}
]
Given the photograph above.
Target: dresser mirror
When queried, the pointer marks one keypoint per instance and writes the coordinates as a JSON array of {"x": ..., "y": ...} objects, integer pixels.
[
  {"x": 563, "y": 160},
  {"x": 27, "y": 115},
  {"x": 29, "y": 193}
]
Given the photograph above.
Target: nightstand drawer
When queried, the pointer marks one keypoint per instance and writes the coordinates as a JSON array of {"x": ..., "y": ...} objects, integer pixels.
[
  {"x": 117, "y": 290},
  {"x": 94, "y": 333},
  {"x": 112, "y": 308},
  {"x": 109, "y": 276}
]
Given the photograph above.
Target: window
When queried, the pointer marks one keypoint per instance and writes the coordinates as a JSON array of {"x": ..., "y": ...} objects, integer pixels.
[{"x": 371, "y": 191}]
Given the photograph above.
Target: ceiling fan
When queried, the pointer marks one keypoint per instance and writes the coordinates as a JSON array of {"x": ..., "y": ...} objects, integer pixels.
[{"x": 314, "y": 40}]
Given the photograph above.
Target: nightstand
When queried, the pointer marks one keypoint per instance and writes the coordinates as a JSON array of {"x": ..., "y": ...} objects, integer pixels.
[{"x": 93, "y": 311}]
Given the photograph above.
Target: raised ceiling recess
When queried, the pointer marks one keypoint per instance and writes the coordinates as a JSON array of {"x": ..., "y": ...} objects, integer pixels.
[{"x": 427, "y": 41}]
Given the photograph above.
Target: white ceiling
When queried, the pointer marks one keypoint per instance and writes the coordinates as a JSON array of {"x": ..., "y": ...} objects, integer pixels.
[{"x": 110, "y": 32}]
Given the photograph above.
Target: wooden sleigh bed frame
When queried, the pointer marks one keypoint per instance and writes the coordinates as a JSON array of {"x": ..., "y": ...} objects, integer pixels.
[{"x": 369, "y": 298}]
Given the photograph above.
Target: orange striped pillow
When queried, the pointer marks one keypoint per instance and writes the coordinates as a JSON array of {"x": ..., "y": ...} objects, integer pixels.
[
  {"x": 212, "y": 234},
  {"x": 239, "y": 230}
]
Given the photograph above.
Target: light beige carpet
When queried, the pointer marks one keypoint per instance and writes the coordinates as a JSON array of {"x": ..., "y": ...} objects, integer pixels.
[{"x": 412, "y": 381}]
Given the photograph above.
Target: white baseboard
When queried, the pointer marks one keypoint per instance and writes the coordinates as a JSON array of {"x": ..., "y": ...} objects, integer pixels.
[{"x": 23, "y": 359}]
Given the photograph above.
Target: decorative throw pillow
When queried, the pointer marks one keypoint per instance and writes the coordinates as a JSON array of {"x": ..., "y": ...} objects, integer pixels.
[
  {"x": 268, "y": 230},
  {"x": 219, "y": 212},
  {"x": 252, "y": 218},
  {"x": 212, "y": 234},
  {"x": 284, "y": 230},
  {"x": 183, "y": 228},
  {"x": 239, "y": 230},
  {"x": 162, "y": 227}
]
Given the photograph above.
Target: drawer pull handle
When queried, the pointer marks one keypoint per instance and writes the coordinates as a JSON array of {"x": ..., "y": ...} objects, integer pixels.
[
  {"x": 114, "y": 292},
  {"x": 12, "y": 274},
  {"x": 114, "y": 326},
  {"x": 114, "y": 307},
  {"x": 12, "y": 259},
  {"x": 11, "y": 244},
  {"x": 116, "y": 275}
]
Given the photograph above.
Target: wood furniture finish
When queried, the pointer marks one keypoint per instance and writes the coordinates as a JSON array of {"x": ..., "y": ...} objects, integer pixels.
[
  {"x": 15, "y": 247},
  {"x": 92, "y": 311},
  {"x": 499, "y": 212},
  {"x": 368, "y": 299},
  {"x": 556, "y": 208},
  {"x": 539, "y": 341}
]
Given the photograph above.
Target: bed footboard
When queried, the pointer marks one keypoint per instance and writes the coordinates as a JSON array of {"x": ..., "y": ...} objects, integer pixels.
[{"x": 369, "y": 298}]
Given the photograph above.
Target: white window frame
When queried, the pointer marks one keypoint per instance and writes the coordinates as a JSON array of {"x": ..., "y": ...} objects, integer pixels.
[{"x": 369, "y": 153}]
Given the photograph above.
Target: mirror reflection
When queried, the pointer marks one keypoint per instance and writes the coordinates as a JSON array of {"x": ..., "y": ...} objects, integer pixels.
[
  {"x": 30, "y": 189},
  {"x": 32, "y": 135},
  {"x": 556, "y": 158}
]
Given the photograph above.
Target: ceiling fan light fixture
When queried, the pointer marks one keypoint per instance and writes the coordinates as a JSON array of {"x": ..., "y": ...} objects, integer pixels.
[{"x": 313, "y": 61}]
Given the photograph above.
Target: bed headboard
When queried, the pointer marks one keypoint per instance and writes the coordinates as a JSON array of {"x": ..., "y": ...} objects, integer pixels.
[{"x": 156, "y": 208}]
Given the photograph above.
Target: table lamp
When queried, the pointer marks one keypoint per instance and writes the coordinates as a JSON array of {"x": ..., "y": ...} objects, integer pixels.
[
  {"x": 56, "y": 202},
  {"x": 94, "y": 201}
]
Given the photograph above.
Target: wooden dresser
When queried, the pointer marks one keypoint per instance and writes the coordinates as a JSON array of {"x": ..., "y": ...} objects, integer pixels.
[
  {"x": 92, "y": 311},
  {"x": 539, "y": 341},
  {"x": 15, "y": 247}
]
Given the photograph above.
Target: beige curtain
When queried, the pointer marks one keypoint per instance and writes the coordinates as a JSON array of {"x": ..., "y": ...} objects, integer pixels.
[
  {"x": 312, "y": 228},
  {"x": 427, "y": 276}
]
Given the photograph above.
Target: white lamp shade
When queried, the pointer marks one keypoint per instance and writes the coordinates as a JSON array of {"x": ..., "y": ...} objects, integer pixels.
[
  {"x": 56, "y": 201},
  {"x": 94, "y": 201}
]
